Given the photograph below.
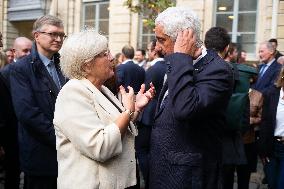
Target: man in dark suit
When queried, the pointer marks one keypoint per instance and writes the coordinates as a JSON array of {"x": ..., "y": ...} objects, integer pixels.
[
  {"x": 8, "y": 121},
  {"x": 35, "y": 82},
  {"x": 155, "y": 74},
  {"x": 186, "y": 140},
  {"x": 128, "y": 73},
  {"x": 274, "y": 42},
  {"x": 268, "y": 70}
]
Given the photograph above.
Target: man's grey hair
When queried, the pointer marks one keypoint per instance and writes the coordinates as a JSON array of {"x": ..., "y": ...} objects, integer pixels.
[
  {"x": 175, "y": 19},
  {"x": 79, "y": 49},
  {"x": 47, "y": 20},
  {"x": 269, "y": 46}
]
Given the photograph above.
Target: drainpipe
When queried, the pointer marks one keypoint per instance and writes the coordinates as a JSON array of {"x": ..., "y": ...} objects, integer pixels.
[{"x": 274, "y": 21}]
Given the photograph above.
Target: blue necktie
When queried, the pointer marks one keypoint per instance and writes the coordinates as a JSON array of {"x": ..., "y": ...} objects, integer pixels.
[
  {"x": 53, "y": 74},
  {"x": 262, "y": 70}
]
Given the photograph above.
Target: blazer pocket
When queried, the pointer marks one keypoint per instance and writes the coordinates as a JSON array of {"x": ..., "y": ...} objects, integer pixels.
[{"x": 182, "y": 158}]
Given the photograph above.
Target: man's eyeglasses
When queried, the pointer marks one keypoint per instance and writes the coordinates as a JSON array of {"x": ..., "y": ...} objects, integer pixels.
[{"x": 54, "y": 35}]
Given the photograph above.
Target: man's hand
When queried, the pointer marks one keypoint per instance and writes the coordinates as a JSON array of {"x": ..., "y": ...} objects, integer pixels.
[{"x": 186, "y": 43}]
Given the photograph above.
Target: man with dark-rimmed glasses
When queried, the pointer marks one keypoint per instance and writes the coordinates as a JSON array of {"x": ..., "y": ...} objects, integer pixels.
[{"x": 35, "y": 82}]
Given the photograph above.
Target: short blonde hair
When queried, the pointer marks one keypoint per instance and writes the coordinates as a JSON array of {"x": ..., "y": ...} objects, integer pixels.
[{"x": 78, "y": 49}]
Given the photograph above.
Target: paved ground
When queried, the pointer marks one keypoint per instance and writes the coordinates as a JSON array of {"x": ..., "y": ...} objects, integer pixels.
[{"x": 255, "y": 181}]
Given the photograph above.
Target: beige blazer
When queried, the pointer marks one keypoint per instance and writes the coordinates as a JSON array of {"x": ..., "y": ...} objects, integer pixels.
[{"x": 90, "y": 151}]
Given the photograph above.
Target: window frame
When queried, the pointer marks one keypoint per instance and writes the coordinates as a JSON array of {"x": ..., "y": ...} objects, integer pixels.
[
  {"x": 97, "y": 19},
  {"x": 234, "y": 33}
]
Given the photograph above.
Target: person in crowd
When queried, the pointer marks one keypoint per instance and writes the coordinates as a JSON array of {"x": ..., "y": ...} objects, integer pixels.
[
  {"x": 232, "y": 54},
  {"x": 268, "y": 69},
  {"x": 39, "y": 79},
  {"x": 241, "y": 159},
  {"x": 280, "y": 60},
  {"x": 128, "y": 73},
  {"x": 117, "y": 59},
  {"x": 3, "y": 60},
  {"x": 274, "y": 42},
  {"x": 155, "y": 74},
  {"x": 10, "y": 129},
  {"x": 140, "y": 58},
  {"x": 95, "y": 134},
  {"x": 9, "y": 54},
  {"x": 22, "y": 47},
  {"x": 218, "y": 39},
  {"x": 186, "y": 147},
  {"x": 242, "y": 57},
  {"x": 271, "y": 138},
  {"x": 111, "y": 82}
]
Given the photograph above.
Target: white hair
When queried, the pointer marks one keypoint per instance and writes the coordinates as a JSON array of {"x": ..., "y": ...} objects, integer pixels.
[
  {"x": 78, "y": 49},
  {"x": 175, "y": 19}
]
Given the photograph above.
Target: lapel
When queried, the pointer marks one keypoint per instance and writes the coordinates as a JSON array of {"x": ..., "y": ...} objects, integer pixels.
[
  {"x": 62, "y": 79},
  {"x": 44, "y": 75},
  {"x": 41, "y": 71},
  {"x": 163, "y": 91},
  {"x": 267, "y": 74},
  {"x": 107, "y": 103}
]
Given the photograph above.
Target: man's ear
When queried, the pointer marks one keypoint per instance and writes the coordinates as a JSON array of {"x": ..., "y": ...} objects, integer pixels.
[{"x": 226, "y": 49}]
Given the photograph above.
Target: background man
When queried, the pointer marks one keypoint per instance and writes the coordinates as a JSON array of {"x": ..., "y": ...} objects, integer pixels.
[
  {"x": 10, "y": 55},
  {"x": 274, "y": 43},
  {"x": 35, "y": 82},
  {"x": 140, "y": 58},
  {"x": 128, "y": 73},
  {"x": 185, "y": 145},
  {"x": 22, "y": 47},
  {"x": 268, "y": 69}
]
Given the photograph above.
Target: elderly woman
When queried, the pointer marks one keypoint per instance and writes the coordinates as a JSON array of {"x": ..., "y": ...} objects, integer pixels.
[
  {"x": 94, "y": 131},
  {"x": 271, "y": 139}
]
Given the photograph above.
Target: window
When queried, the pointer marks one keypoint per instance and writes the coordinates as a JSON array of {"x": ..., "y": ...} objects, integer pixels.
[
  {"x": 96, "y": 15},
  {"x": 146, "y": 34},
  {"x": 239, "y": 18}
]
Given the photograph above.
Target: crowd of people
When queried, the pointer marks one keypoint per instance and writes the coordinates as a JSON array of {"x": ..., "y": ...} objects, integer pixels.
[{"x": 184, "y": 114}]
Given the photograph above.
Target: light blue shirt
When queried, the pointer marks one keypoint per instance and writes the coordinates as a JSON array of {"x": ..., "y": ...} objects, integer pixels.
[
  {"x": 264, "y": 68},
  {"x": 51, "y": 69}
]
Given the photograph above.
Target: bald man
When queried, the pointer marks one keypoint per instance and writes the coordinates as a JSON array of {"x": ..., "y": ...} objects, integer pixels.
[{"x": 22, "y": 47}]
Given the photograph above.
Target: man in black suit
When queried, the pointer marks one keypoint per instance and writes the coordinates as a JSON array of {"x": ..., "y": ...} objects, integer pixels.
[
  {"x": 8, "y": 122},
  {"x": 274, "y": 42},
  {"x": 128, "y": 73},
  {"x": 186, "y": 140},
  {"x": 155, "y": 74},
  {"x": 268, "y": 70},
  {"x": 35, "y": 82},
  {"x": 8, "y": 135}
]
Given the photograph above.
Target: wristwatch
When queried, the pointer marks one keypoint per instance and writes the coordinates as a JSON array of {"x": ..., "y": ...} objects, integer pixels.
[{"x": 129, "y": 112}]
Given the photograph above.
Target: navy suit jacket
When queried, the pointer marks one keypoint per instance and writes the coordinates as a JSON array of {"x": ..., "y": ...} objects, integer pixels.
[
  {"x": 265, "y": 82},
  {"x": 130, "y": 74},
  {"x": 154, "y": 74},
  {"x": 186, "y": 140},
  {"x": 34, "y": 93}
]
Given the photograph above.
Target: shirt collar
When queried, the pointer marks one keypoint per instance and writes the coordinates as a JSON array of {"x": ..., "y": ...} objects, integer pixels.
[
  {"x": 153, "y": 62},
  {"x": 203, "y": 53},
  {"x": 142, "y": 63},
  {"x": 269, "y": 63},
  {"x": 44, "y": 59},
  {"x": 125, "y": 61}
]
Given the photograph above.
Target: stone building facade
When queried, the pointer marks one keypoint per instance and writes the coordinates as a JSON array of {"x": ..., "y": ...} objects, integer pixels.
[{"x": 249, "y": 21}]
